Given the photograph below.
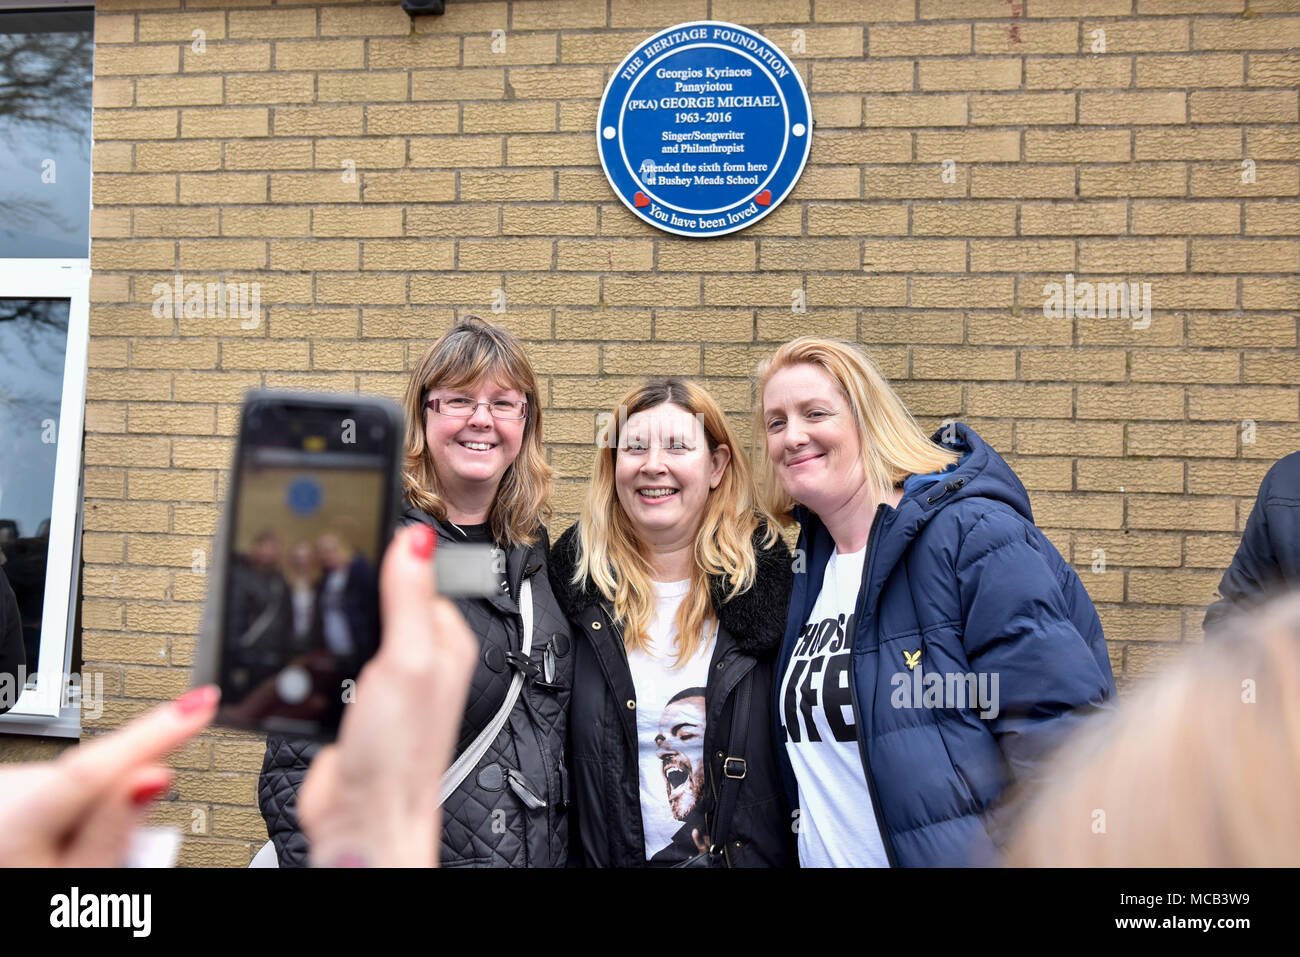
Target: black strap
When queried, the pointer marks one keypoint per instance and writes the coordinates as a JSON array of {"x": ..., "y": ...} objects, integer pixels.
[{"x": 733, "y": 766}]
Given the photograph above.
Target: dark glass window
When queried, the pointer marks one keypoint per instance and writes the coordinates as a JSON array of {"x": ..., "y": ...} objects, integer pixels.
[{"x": 46, "y": 65}]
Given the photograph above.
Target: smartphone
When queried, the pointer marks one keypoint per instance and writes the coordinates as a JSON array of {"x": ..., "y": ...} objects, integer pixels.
[{"x": 293, "y": 607}]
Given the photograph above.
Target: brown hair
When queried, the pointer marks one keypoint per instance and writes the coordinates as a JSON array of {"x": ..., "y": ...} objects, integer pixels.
[
  {"x": 1200, "y": 768},
  {"x": 608, "y": 550},
  {"x": 477, "y": 351}
]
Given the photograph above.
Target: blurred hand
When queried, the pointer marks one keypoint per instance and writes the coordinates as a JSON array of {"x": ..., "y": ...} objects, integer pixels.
[
  {"x": 372, "y": 798},
  {"x": 80, "y": 810}
]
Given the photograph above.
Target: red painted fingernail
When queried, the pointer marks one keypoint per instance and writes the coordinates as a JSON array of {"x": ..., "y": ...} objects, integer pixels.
[
  {"x": 148, "y": 792},
  {"x": 197, "y": 699},
  {"x": 422, "y": 542}
]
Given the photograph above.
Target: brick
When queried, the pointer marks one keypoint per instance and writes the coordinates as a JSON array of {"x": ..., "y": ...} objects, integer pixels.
[
  {"x": 319, "y": 121},
  {"x": 321, "y": 54},
  {"x": 504, "y": 254},
  {"x": 131, "y": 60},
  {"x": 176, "y": 91},
  {"x": 1209, "y": 69},
  {"x": 958, "y": 363},
  {"x": 1244, "y": 106},
  {"x": 271, "y": 24},
  {"x": 602, "y": 325},
  {"x": 1134, "y": 108},
  {"x": 953, "y": 218},
  {"x": 1020, "y": 401},
  {"x": 1245, "y": 255},
  {"x": 1185, "y": 440},
  {"x": 899, "y": 182},
  {"x": 1084, "y": 73},
  {"x": 969, "y": 146},
  {"x": 1137, "y": 36},
  {"x": 1281, "y": 368},
  {"x": 1099, "y": 146},
  {"x": 957, "y": 292},
  {"x": 504, "y": 186},
  {"x": 724, "y": 256},
  {"x": 1022, "y": 181},
  {"x": 1261, "y": 33},
  {"x": 1011, "y": 329},
  {"x": 974, "y": 73},
  {"x": 809, "y": 254},
  {"x": 1132, "y": 255},
  {"x": 1181, "y": 587},
  {"x": 1130, "y": 475},
  {"x": 458, "y": 85},
  {"x": 408, "y": 187},
  {"x": 226, "y": 123},
  {"x": 1027, "y": 38},
  {"x": 1269, "y": 69},
  {"x": 1127, "y": 402},
  {"x": 135, "y": 124},
  {"x": 1068, "y": 510},
  {"x": 1262, "y": 404},
  {"x": 1134, "y": 179},
  {"x": 1021, "y": 255},
  {"x": 411, "y": 52},
  {"x": 918, "y": 40},
  {"x": 1018, "y": 109},
  {"x": 915, "y": 110},
  {"x": 1241, "y": 330},
  {"x": 522, "y": 49},
  {"x": 1279, "y": 217},
  {"x": 223, "y": 58},
  {"x": 1181, "y": 218},
  {"x": 1073, "y": 219},
  {"x": 1063, "y": 438}
]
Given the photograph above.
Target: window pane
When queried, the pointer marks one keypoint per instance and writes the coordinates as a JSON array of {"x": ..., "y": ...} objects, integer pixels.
[
  {"x": 45, "y": 77},
  {"x": 33, "y": 339}
]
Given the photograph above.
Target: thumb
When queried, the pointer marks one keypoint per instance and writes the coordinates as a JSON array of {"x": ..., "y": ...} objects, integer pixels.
[{"x": 407, "y": 592}]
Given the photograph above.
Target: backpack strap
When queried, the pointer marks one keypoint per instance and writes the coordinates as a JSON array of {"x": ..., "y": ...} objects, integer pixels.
[{"x": 470, "y": 757}]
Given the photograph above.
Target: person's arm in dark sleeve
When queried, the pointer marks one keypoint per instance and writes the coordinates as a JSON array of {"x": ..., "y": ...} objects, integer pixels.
[
  {"x": 1254, "y": 567},
  {"x": 13, "y": 655},
  {"x": 283, "y": 769},
  {"x": 1018, "y": 627}
]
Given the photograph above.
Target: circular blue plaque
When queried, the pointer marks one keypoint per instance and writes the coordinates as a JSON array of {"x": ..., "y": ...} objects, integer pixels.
[
  {"x": 303, "y": 496},
  {"x": 704, "y": 128}
]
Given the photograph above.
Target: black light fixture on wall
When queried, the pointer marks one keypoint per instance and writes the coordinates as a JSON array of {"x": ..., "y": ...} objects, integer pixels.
[{"x": 415, "y": 8}]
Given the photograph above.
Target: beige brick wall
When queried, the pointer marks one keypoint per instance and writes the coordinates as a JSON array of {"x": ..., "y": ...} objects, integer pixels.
[{"x": 476, "y": 171}]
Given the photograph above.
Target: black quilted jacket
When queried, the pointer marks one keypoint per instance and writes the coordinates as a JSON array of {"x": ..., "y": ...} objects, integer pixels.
[
  {"x": 511, "y": 811},
  {"x": 606, "y": 820}
]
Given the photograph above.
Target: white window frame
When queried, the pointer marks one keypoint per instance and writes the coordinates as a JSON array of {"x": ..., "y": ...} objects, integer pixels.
[
  {"x": 47, "y": 710},
  {"x": 55, "y": 709}
]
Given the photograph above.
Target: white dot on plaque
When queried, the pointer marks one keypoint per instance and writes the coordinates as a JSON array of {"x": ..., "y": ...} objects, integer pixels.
[
  {"x": 609, "y": 132},
  {"x": 798, "y": 129}
]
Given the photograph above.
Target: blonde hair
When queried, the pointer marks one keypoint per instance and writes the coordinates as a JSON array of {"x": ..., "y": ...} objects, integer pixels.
[
  {"x": 610, "y": 554},
  {"x": 893, "y": 445},
  {"x": 1200, "y": 768},
  {"x": 477, "y": 351}
]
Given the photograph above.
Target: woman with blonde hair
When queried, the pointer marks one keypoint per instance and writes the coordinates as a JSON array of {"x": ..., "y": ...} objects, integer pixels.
[
  {"x": 937, "y": 645},
  {"x": 678, "y": 589},
  {"x": 475, "y": 472}
]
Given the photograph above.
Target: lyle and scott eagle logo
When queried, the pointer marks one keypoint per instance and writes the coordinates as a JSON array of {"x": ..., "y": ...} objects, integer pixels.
[{"x": 912, "y": 659}]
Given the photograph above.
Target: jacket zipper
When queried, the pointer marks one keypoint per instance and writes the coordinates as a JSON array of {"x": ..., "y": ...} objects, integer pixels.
[{"x": 853, "y": 685}]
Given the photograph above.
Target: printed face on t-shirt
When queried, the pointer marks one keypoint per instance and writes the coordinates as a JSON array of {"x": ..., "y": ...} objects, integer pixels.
[{"x": 681, "y": 752}]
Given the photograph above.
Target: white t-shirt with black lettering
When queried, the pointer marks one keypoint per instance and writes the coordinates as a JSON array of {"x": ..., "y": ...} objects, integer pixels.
[
  {"x": 837, "y": 822},
  {"x": 670, "y": 717}
]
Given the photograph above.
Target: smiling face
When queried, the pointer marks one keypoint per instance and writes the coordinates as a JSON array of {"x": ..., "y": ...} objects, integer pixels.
[
  {"x": 681, "y": 753},
  {"x": 470, "y": 455},
  {"x": 664, "y": 472},
  {"x": 812, "y": 438}
]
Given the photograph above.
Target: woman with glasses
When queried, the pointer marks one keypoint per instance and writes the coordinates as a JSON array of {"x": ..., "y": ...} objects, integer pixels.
[{"x": 475, "y": 473}]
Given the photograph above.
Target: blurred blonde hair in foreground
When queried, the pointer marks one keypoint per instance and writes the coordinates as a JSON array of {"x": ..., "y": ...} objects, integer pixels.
[{"x": 1200, "y": 768}]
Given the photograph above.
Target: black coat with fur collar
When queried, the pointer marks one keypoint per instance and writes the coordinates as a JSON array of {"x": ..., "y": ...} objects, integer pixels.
[{"x": 605, "y": 824}]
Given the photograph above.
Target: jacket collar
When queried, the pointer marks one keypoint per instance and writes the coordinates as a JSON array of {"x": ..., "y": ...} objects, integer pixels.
[
  {"x": 521, "y": 560},
  {"x": 754, "y": 619}
]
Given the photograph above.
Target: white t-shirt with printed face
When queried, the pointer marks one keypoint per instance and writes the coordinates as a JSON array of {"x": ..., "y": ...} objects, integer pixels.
[
  {"x": 670, "y": 718},
  {"x": 837, "y": 822}
]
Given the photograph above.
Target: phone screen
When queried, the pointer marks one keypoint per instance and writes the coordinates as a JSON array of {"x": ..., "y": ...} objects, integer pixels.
[{"x": 307, "y": 533}]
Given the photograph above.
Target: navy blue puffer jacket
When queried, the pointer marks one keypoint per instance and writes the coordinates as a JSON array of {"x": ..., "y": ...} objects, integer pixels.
[{"x": 959, "y": 572}]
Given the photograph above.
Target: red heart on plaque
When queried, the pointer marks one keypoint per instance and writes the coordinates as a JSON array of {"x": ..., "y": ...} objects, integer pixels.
[
  {"x": 764, "y": 198},
  {"x": 641, "y": 199}
]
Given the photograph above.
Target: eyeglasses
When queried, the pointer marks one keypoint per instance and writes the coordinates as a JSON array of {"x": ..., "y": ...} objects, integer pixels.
[{"x": 462, "y": 407}]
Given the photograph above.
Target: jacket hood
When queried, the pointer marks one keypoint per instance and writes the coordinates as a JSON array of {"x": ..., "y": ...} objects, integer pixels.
[
  {"x": 980, "y": 473},
  {"x": 755, "y": 619}
]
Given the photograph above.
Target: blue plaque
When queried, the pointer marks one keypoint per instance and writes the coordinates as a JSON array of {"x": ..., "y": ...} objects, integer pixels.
[
  {"x": 704, "y": 128},
  {"x": 303, "y": 496}
]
